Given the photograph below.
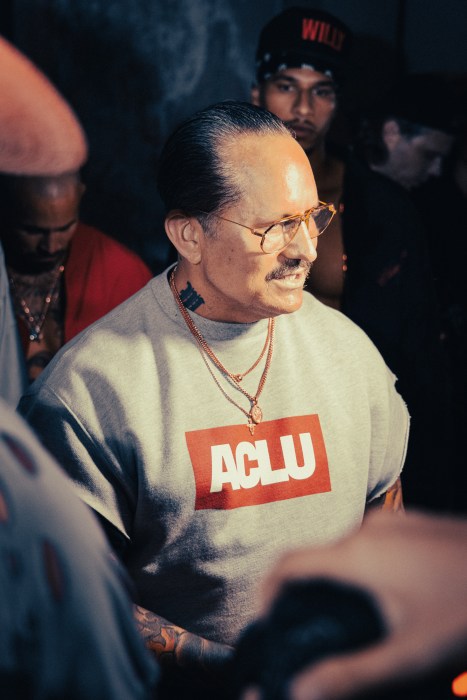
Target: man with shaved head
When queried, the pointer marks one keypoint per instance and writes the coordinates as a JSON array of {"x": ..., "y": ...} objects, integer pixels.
[
  {"x": 63, "y": 275},
  {"x": 38, "y": 134}
]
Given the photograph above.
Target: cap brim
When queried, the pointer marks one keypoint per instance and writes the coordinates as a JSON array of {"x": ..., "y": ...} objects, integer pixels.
[
  {"x": 298, "y": 59},
  {"x": 39, "y": 134}
]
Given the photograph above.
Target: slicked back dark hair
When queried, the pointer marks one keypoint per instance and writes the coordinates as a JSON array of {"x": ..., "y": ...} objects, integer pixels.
[{"x": 192, "y": 176}]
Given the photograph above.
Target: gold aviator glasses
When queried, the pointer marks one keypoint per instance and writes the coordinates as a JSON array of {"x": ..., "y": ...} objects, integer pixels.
[{"x": 279, "y": 234}]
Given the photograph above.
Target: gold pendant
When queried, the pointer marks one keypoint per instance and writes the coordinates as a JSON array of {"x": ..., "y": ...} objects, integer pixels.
[
  {"x": 251, "y": 428},
  {"x": 256, "y": 414}
]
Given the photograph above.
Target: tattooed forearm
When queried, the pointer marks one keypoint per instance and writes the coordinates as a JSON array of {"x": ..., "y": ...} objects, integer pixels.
[
  {"x": 190, "y": 298},
  {"x": 175, "y": 646}
]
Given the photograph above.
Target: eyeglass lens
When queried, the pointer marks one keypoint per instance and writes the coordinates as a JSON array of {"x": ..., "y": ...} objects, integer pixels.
[{"x": 279, "y": 235}]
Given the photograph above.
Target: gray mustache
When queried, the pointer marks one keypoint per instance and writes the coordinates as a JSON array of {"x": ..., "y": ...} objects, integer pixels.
[{"x": 287, "y": 266}]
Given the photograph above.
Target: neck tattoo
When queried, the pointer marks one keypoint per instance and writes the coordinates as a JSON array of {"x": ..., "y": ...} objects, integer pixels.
[
  {"x": 255, "y": 414},
  {"x": 190, "y": 298}
]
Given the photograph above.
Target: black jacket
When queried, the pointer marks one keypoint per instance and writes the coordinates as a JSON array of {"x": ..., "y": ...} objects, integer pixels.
[{"x": 389, "y": 292}]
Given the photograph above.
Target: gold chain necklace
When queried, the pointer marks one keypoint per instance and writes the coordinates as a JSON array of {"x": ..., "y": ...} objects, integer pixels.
[
  {"x": 255, "y": 414},
  {"x": 35, "y": 322}
]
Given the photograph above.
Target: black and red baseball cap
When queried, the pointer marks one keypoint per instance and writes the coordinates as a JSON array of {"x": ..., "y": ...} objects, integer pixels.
[{"x": 303, "y": 37}]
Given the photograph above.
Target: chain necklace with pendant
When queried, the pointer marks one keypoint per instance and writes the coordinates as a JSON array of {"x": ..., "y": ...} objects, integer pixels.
[
  {"x": 35, "y": 322},
  {"x": 255, "y": 414}
]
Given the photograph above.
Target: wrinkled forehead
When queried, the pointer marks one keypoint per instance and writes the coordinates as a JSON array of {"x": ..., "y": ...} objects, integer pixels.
[{"x": 268, "y": 166}]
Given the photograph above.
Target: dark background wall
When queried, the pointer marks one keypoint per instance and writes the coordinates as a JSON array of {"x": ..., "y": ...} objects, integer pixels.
[{"x": 132, "y": 69}]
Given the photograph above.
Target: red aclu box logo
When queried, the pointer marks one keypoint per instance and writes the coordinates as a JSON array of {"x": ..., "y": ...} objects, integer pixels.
[{"x": 284, "y": 458}]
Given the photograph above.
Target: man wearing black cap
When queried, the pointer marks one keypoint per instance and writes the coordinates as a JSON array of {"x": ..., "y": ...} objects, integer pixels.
[
  {"x": 300, "y": 61},
  {"x": 301, "y": 57},
  {"x": 372, "y": 265}
]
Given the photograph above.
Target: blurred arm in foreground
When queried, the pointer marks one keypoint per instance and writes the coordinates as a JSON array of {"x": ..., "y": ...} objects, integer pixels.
[{"x": 416, "y": 569}]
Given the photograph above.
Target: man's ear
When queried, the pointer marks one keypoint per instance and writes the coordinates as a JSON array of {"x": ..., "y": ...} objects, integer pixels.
[
  {"x": 391, "y": 134},
  {"x": 185, "y": 233},
  {"x": 255, "y": 96}
]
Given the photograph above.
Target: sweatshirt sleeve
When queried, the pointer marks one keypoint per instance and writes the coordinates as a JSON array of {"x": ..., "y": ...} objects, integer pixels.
[
  {"x": 390, "y": 430},
  {"x": 92, "y": 457}
]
